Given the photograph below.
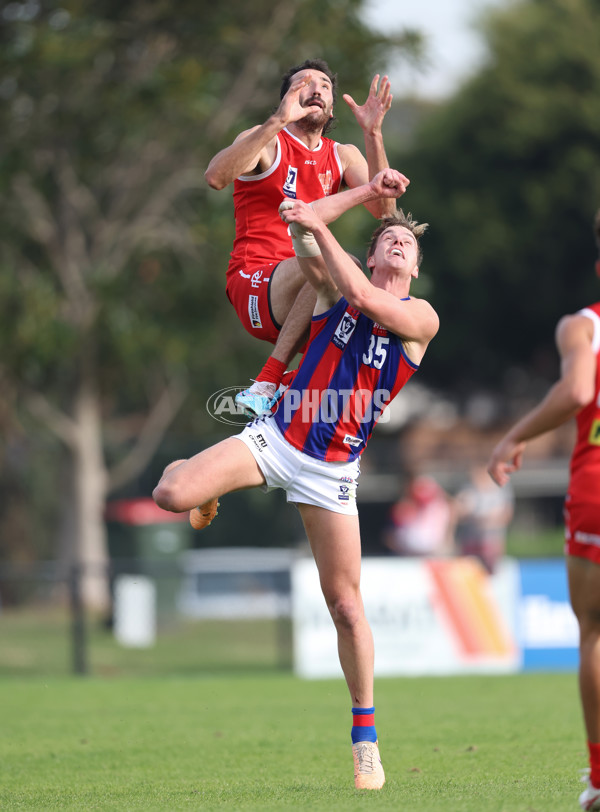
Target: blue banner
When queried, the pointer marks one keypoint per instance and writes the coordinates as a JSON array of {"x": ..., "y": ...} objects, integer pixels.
[{"x": 547, "y": 629}]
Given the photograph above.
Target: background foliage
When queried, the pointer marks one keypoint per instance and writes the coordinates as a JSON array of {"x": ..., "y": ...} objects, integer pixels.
[
  {"x": 112, "y": 308},
  {"x": 113, "y": 318},
  {"x": 507, "y": 174}
]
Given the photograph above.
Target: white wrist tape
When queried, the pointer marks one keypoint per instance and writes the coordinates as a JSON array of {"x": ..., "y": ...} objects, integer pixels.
[{"x": 303, "y": 240}]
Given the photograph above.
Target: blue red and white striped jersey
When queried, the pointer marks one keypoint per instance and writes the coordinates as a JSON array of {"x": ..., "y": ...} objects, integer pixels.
[{"x": 351, "y": 370}]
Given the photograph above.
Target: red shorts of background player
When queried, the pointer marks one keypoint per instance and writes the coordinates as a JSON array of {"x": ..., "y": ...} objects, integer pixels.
[
  {"x": 248, "y": 292},
  {"x": 582, "y": 530}
]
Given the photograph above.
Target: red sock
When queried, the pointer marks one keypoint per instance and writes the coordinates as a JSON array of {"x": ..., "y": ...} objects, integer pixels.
[
  {"x": 594, "y": 751},
  {"x": 272, "y": 371},
  {"x": 288, "y": 377}
]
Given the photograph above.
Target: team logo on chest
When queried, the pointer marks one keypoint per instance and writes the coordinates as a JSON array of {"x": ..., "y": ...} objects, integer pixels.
[
  {"x": 289, "y": 187},
  {"x": 344, "y": 330},
  {"x": 326, "y": 181}
]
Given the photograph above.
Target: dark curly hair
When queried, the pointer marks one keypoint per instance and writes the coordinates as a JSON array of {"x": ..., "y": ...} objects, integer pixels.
[{"x": 312, "y": 64}]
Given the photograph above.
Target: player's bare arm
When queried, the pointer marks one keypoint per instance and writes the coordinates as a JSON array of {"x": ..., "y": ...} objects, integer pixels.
[
  {"x": 573, "y": 391},
  {"x": 414, "y": 320},
  {"x": 387, "y": 184},
  {"x": 254, "y": 150},
  {"x": 370, "y": 117}
]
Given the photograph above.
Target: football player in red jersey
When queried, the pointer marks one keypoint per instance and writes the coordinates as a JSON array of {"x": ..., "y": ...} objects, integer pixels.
[
  {"x": 576, "y": 394},
  {"x": 289, "y": 155}
]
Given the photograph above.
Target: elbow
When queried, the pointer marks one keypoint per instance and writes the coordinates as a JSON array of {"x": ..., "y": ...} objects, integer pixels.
[
  {"x": 581, "y": 395},
  {"x": 213, "y": 180}
]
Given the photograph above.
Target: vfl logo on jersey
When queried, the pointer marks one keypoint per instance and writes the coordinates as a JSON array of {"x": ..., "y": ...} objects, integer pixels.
[
  {"x": 289, "y": 187},
  {"x": 353, "y": 441},
  {"x": 343, "y": 331},
  {"x": 344, "y": 494},
  {"x": 254, "y": 312},
  {"x": 594, "y": 438},
  {"x": 326, "y": 181}
]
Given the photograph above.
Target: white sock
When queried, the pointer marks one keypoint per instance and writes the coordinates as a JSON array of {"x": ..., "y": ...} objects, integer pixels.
[{"x": 265, "y": 388}]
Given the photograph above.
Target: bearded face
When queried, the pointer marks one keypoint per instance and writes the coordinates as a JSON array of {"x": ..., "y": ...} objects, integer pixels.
[
  {"x": 316, "y": 121},
  {"x": 319, "y": 93}
]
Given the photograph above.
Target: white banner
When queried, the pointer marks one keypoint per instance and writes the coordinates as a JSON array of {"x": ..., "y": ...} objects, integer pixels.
[{"x": 428, "y": 616}]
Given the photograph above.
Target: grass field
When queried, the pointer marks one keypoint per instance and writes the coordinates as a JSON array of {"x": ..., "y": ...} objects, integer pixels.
[
  {"x": 459, "y": 744},
  {"x": 38, "y": 642}
]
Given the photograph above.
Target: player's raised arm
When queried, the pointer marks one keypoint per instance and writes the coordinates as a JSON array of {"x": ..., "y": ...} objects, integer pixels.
[
  {"x": 370, "y": 117},
  {"x": 393, "y": 260},
  {"x": 254, "y": 150},
  {"x": 389, "y": 184},
  {"x": 386, "y": 184}
]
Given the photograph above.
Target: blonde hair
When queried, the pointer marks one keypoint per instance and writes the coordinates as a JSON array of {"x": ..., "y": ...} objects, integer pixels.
[{"x": 405, "y": 221}]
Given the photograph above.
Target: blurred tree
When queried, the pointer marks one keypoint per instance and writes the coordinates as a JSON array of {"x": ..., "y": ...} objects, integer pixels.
[
  {"x": 112, "y": 304},
  {"x": 507, "y": 173}
]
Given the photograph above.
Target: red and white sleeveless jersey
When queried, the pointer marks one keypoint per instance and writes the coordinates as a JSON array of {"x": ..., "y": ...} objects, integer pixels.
[
  {"x": 261, "y": 236},
  {"x": 584, "y": 483}
]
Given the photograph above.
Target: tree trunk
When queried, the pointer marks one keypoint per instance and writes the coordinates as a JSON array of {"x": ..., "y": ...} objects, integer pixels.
[{"x": 89, "y": 488}]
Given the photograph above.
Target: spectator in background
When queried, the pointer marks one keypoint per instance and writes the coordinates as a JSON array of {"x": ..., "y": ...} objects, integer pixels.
[
  {"x": 421, "y": 522},
  {"x": 483, "y": 513}
]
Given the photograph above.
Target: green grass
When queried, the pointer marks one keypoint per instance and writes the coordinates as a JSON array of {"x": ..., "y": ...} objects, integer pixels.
[
  {"x": 539, "y": 543},
  {"x": 461, "y": 744},
  {"x": 37, "y": 642}
]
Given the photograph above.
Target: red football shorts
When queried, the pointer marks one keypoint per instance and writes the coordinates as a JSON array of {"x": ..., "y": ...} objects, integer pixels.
[
  {"x": 248, "y": 292},
  {"x": 582, "y": 530}
]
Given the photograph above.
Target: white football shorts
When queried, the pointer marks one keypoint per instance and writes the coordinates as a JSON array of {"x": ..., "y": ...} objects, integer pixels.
[{"x": 306, "y": 480}]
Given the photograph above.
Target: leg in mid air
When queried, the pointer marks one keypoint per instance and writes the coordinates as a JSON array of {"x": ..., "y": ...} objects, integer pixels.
[
  {"x": 291, "y": 303},
  {"x": 197, "y": 483}
]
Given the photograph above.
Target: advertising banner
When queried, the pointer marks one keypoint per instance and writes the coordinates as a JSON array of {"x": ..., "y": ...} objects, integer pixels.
[
  {"x": 428, "y": 616},
  {"x": 548, "y": 634}
]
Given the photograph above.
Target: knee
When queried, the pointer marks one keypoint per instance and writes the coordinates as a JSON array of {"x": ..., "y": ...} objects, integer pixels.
[
  {"x": 167, "y": 494},
  {"x": 346, "y": 610},
  {"x": 589, "y": 624},
  {"x": 166, "y": 497}
]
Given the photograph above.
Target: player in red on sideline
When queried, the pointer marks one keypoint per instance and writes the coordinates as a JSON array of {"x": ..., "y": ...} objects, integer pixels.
[
  {"x": 368, "y": 337},
  {"x": 575, "y": 395}
]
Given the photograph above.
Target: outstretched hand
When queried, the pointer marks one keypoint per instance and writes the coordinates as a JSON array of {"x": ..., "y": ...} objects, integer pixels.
[
  {"x": 389, "y": 183},
  {"x": 290, "y": 108},
  {"x": 370, "y": 115}
]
